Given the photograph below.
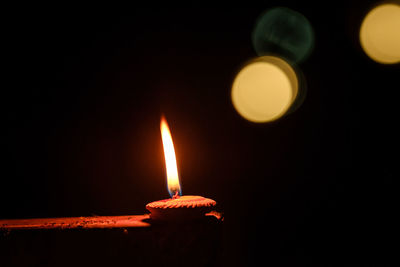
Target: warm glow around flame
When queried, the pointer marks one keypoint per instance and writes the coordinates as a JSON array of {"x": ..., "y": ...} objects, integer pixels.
[{"x": 170, "y": 160}]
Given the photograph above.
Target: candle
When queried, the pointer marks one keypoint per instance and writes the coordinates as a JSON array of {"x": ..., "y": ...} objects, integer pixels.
[
  {"x": 178, "y": 207},
  {"x": 121, "y": 240}
]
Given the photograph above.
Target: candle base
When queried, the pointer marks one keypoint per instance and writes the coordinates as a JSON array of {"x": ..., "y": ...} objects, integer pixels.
[{"x": 181, "y": 208}]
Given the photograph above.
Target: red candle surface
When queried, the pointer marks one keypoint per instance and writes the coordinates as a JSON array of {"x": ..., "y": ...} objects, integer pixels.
[{"x": 181, "y": 208}]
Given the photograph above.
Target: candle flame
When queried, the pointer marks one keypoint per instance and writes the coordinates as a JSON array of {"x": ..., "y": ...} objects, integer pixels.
[{"x": 173, "y": 185}]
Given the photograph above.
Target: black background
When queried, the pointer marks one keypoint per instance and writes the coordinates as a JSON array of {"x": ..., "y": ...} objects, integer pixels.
[{"x": 82, "y": 96}]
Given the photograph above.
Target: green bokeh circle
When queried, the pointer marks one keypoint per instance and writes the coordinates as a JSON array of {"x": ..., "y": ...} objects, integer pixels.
[{"x": 285, "y": 33}]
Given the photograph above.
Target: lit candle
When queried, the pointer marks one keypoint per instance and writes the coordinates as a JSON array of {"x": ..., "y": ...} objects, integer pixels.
[
  {"x": 178, "y": 207},
  {"x": 129, "y": 237}
]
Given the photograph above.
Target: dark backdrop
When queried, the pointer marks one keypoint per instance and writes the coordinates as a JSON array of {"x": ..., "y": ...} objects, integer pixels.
[{"x": 83, "y": 92}]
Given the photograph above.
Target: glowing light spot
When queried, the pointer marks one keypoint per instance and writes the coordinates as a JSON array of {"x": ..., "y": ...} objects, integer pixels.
[
  {"x": 283, "y": 32},
  {"x": 380, "y": 34},
  {"x": 264, "y": 89}
]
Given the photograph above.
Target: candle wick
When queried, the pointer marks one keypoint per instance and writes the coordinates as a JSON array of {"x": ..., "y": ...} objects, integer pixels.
[{"x": 176, "y": 195}]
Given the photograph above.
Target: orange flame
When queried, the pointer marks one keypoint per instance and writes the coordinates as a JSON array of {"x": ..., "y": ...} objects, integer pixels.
[{"x": 173, "y": 184}]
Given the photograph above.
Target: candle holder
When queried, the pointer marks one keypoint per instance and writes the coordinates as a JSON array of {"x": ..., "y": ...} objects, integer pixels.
[{"x": 133, "y": 240}]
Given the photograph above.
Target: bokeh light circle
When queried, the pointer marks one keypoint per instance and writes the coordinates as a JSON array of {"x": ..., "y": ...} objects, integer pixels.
[
  {"x": 380, "y": 34},
  {"x": 285, "y": 33},
  {"x": 264, "y": 89}
]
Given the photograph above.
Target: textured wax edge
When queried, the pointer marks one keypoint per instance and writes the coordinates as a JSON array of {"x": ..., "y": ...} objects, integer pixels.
[{"x": 197, "y": 202}]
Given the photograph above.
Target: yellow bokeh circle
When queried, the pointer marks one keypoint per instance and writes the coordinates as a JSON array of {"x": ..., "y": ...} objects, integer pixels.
[
  {"x": 264, "y": 89},
  {"x": 380, "y": 34}
]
